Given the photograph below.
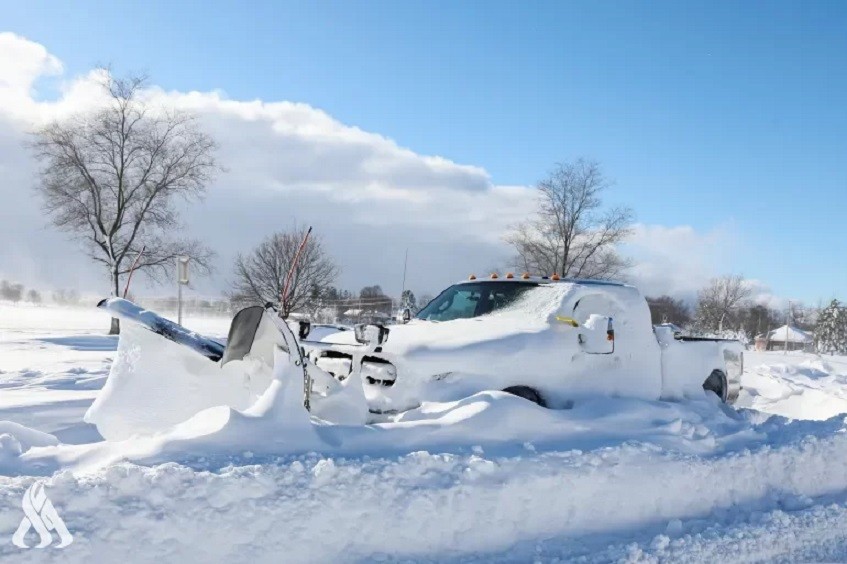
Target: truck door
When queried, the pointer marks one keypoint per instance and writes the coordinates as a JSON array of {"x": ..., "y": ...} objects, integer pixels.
[{"x": 595, "y": 315}]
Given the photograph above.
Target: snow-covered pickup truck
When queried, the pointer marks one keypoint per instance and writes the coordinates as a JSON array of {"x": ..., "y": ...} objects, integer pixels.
[{"x": 550, "y": 341}]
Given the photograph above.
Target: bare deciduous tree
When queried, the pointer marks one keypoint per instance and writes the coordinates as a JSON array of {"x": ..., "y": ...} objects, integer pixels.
[
  {"x": 666, "y": 309},
  {"x": 11, "y": 291},
  {"x": 571, "y": 235},
  {"x": 112, "y": 178},
  {"x": 756, "y": 319},
  {"x": 260, "y": 275},
  {"x": 374, "y": 299},
  {"x": 719, "y": 302}
]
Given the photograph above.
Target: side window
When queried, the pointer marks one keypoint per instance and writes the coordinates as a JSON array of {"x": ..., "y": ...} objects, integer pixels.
[
  {"x": 595, "y": 314},
  {"x": 593, "y": 304}
]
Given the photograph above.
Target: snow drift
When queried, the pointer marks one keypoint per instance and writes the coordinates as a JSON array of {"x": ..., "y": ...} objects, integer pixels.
[
  {"x": 318, "y": 508},
  {"x": 155, "y": 383}
]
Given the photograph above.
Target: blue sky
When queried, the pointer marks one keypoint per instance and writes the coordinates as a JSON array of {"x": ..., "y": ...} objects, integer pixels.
[{"x": 725, "y": 115}]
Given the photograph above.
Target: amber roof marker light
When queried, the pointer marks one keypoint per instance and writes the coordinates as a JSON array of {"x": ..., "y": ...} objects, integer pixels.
[
  {"x": 472, "y": 277},
  {"x": 555, "y": 277}
]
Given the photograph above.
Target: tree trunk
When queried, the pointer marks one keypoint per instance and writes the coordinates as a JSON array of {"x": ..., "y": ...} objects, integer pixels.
[{"x": 115, "y": 328}]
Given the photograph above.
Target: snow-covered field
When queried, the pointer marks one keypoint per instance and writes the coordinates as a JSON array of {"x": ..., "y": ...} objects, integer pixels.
[{"x": 488, "y": 478}]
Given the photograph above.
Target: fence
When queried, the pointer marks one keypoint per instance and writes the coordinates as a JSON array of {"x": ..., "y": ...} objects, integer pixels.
[{"x": 380, "y": 309}]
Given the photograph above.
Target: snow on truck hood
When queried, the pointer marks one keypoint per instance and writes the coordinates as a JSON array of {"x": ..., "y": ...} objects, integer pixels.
[{"x": 535, "y": 311}]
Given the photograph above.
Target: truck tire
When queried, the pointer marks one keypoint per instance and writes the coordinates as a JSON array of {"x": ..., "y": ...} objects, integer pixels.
[
  {"x": 716, "y": 383},
  {"x": 526, "y": 393}
]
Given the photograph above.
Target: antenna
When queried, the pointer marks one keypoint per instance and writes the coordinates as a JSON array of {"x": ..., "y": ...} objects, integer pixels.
[
  {"x": 405, "y": 263},
  {"x": 787, "y": 327},
  {"x": 283, "y": 298}
]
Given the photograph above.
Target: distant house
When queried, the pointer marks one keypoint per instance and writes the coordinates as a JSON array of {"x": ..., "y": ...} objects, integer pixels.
[{"x": 785, "y": 338}]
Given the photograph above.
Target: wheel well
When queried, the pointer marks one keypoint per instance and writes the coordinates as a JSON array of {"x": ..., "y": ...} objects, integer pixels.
[
  {"x": 717, "y": 383},
  {"x": 527, "y": 393}
]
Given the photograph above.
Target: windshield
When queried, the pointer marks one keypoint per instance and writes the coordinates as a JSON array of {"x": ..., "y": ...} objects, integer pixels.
[{"x": 464, "y": 301}]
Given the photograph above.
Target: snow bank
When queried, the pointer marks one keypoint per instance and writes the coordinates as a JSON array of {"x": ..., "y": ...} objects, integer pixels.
[
  {"x": 155, "y": 383},
  {"x": 317, "y": 508},
  {"x": 15, "y": 440}
]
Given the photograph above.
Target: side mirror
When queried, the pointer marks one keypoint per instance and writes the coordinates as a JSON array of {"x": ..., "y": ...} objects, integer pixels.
[
  {"x": 597, "y": 335},
  {"x": 303, "y": 329},
  {"x": 370, "y": 334}
]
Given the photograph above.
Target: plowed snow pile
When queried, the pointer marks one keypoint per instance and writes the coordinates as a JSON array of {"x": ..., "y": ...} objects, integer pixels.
[
  {"x": 488, "y": 478},
  {"x": 796, "y": 385}
]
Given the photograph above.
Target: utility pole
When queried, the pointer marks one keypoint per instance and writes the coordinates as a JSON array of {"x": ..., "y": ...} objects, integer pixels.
[
  {"x": 181, "y": 280},
  {"x": 405, "y": 263},
  {"x": 787, "y": 327}
]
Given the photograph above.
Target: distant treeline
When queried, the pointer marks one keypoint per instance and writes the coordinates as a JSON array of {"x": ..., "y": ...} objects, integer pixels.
[{"x": 16, "y": 292}]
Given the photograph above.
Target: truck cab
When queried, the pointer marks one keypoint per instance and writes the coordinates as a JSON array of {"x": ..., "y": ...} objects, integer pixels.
[{"x": 552, "y": 341}]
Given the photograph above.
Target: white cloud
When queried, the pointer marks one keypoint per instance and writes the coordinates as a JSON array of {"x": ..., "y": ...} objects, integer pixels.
[
  {"x": 762, "y": 294},
  {"x": 287, "y": 162},
  {"x": 21, "y": 64},
  {"x": 677, "y": 260}
]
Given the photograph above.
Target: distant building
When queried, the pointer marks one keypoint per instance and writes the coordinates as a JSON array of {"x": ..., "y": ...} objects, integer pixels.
[
  {"x": 356, "y": 315},
  {"x": 785, "y": 338}
]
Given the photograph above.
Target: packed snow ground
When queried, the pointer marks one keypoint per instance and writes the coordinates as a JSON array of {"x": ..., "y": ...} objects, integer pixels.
[{"x": 488, "y": 478}]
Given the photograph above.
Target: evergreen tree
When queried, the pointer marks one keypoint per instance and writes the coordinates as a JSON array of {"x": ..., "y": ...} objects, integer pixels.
[
  {"x": 831, "y": 330},
  {"x": 407, "y": 300}
]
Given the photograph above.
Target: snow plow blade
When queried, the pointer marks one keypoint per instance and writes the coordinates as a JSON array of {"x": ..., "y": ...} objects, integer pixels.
[
  {"x": 256, "y": 335},
  {"x": 128, "y": 311},
  {"x": 242, "y": 333}
]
